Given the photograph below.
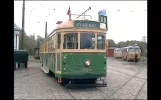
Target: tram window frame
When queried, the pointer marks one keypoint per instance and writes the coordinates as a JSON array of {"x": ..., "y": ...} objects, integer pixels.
[
  {"x": 45, "y": 46},
  {"x": 54, "y": 42},
  {"x": 49, "y": 45},
  {"x": 48, "y": 42},
  {"x": 59, "y": 40},
  {"x": 70, "y": 40},
  {"x": 103, "y": 41},
  {"x": 83, "y": 37}
]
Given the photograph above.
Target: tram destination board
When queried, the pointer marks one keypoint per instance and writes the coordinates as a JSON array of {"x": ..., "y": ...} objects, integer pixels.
[{"x": 86, "y": 24}]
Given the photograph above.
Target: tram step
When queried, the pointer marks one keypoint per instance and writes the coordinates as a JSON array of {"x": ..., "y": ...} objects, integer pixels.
[{"x": 46, "y": 70}]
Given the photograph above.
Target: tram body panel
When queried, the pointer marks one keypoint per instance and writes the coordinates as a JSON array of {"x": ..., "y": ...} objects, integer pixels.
[{"x": 74, "y": 65}]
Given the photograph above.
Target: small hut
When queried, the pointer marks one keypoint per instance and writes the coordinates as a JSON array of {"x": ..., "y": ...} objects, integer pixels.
[{"x": 110, "y": 52}]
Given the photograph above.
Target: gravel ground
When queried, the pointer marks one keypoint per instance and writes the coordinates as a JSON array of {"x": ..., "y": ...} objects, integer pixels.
[{"x": 125, "y": 80}]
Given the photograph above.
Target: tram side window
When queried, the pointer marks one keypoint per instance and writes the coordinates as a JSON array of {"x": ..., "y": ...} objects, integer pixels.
[
  {"x": 131, "y": 50},
  {"x": 125, "y": 50},
  {"x": 59, "y": 40},
  {"x": 100, "y": 41},
  {"x": 70, "y": 41},
  {"x": 137, "y": 49},
  {"x": 87, "y": 40},
  {"x": 48, "y": 45}
]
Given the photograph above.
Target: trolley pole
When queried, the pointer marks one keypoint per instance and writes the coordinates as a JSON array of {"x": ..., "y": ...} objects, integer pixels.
[
  {"x": 23, "y": 22},
  {"x": 46, "y": 29}
]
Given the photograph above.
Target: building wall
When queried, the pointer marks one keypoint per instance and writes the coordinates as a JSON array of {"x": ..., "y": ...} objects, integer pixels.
[
  {"x": 16, "y": 40},
  {"x": 110, "y": 53}
]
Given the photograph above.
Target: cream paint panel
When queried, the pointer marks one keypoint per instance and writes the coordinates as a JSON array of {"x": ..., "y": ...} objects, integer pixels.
[
  {"x": 83, "y": 50},
  {"x": 61, "y": 47},
  {"x": 95, "y": 41},
  {"x": 78, "y": 40},
  {"x": 80, "y": 30},
  {"x": 56, "y": 46}
]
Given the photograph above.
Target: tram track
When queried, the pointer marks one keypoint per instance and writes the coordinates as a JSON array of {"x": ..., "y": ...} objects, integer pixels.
[
  {"x": 102, "y": 93},
  {"x": 65, "y": 89},
  {"x": 26, "y": 75},
  {"x": 126, "y": 74},
  {"x": 140, "y": 90},
  {"x": 118, "y": 88},
  {"x": 62, "y": 87}
]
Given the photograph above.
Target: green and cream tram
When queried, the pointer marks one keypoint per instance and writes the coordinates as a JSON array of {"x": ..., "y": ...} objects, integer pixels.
[{"x": 75, "y": 50}]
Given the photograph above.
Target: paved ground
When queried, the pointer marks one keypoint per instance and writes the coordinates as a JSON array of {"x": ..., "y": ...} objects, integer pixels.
[{"x": 125, "y": 80}]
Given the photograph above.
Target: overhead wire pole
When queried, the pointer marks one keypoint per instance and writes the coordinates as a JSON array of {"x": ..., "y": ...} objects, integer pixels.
[{"x": 23, "y": 22}]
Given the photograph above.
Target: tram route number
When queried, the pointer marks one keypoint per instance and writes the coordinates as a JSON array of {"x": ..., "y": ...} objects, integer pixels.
[{"x": 86, "y": 70}]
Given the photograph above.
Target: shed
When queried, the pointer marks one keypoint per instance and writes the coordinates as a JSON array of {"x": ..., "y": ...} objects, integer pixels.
[{"x": 110, "y": 52}]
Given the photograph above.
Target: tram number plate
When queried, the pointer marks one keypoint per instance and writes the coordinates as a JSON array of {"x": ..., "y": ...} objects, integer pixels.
[{"x": 86, "y": 70}]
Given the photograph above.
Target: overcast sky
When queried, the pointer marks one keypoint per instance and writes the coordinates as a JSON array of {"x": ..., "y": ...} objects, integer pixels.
[{"x": 127, "y": 20}]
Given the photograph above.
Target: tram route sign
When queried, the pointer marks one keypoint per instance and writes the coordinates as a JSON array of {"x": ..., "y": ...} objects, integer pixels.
[
  {"x": 103, "y": 19},
  {"x": 86, "y": 24}
]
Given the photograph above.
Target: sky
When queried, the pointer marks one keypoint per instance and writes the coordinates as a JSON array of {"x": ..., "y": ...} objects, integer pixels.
[{"x": 127, "y": 20}]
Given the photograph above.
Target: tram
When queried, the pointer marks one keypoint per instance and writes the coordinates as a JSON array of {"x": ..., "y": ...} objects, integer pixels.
[
  {"x": 131, "y": 53},
  {"x": 117, "y": 53},
  {"x": 76, "y": 52}
]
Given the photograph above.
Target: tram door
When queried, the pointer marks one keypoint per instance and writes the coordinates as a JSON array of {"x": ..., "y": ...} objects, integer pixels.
[{"x": 58, "y": 54}]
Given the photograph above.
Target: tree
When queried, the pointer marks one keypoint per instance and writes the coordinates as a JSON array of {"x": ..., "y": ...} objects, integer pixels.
[
  {"x": 111, "y": 43},
  {"x": 39, "y": 39},
  {"x": 29, "y": 42}
]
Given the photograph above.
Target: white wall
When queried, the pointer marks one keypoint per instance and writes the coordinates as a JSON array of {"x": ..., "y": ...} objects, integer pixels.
[{"x": 16, "y": 40}]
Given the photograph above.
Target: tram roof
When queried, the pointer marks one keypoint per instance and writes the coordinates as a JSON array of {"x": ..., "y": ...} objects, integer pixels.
[
  {"x": 130, "y": 47},
  {"x": 71, "y": 24}
]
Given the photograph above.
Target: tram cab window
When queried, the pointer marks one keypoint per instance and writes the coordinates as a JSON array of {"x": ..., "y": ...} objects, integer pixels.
[
  {"x": 124, "y": 50},
  {"x": 137, "y": 50},
  {"x": 59, "y": 40},
  {"x": 131, "y": 50},
  {"x": 87, "y": 40},
  {"x": 100, "y": 41},
  {"x": 70, "y": 41},
  {"x": 119, "y": 50}
]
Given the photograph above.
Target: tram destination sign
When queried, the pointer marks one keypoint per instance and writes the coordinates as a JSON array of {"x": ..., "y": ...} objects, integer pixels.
[{"x": 86, "y": 24}]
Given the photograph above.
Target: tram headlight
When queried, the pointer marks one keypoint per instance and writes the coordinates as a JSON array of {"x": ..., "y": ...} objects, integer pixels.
[{"x": 88, "y": 63}]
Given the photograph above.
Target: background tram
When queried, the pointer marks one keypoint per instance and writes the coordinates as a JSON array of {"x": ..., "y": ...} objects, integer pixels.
[
  {"x": 117, "y": 53},
  {"x": 131, "y": 52}
]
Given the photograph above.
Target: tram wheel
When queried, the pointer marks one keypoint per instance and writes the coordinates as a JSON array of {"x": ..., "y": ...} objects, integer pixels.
[{"x": 50, "y": 73}]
